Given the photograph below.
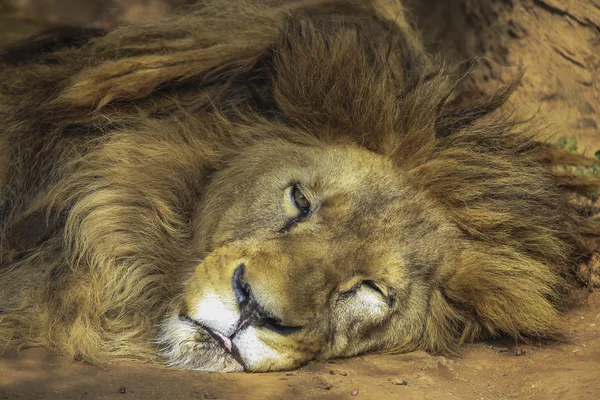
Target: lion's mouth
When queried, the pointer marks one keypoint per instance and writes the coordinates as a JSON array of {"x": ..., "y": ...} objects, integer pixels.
[
  {"x": 224, "y": 340},
  {"x": 220, "y": 338}
]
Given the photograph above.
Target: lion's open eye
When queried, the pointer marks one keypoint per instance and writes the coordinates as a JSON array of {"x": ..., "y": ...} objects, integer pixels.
[{"x": 300, "y": 200}]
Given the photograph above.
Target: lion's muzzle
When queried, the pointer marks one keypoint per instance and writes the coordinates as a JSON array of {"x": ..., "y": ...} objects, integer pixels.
[{"x": 252, "y": 313}]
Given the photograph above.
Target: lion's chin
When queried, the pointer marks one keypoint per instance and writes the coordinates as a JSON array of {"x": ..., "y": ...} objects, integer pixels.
[{"x": 180, "y": 348}]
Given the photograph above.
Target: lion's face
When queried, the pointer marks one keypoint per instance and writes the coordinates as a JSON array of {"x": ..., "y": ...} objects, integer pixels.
[{"x": 311, "y": 254}]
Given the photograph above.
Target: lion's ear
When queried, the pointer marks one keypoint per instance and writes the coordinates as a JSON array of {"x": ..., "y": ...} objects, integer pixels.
[{"x": 495, "y": 291}]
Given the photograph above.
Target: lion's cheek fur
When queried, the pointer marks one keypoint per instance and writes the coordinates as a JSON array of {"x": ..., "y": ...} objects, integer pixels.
[
  {"x": 397, "y": 332},
  {"x": 332, "y": 327}
]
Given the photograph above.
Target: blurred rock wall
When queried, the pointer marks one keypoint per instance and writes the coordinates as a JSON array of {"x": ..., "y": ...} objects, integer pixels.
[{"x": 97, "y": 13}]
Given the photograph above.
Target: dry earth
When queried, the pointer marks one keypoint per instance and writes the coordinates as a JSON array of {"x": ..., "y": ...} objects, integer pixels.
[
  {"x": 487, "y": 370},
  {"x": 557, "y": 42}
]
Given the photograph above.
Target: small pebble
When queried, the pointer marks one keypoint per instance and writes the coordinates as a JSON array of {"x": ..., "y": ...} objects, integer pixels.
[
  {"x": 520, "y": 352},
  {"x": 400, "y": 382},
  {"x": 354, "y": 392},
  {"x": 343, "y": 373},
  {"x": 503, "y": 350},
  {"x": 122, "y": 390},
  {"x": 332, "y": 372}
]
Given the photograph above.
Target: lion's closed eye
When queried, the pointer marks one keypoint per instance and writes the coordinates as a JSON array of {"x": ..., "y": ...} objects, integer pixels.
[
  {"x": 365, "y": 301},
  {"x": 368, "y": 292}
]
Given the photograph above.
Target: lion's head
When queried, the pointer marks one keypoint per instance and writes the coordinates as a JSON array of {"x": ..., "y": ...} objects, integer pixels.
[{"x": 314, "y": 252}]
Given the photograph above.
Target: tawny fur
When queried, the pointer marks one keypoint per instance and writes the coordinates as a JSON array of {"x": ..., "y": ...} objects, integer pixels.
[{"x": 108, "y": 142}]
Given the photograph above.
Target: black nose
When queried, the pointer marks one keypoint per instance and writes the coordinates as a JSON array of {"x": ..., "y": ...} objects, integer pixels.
[
  {"x": 252, "y": 311},
  {"x": 241, "y": 288}
]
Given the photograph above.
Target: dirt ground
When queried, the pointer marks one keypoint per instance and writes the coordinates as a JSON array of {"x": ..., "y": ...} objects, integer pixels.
[
  {"x": 557, "y": 42},
  {"x": 487, "y": 370}
]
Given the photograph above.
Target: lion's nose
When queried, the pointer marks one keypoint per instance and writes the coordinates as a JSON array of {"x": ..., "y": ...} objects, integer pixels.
[
  {"x": 251, "y": 311},
  {"x": 241, "y": 288}
]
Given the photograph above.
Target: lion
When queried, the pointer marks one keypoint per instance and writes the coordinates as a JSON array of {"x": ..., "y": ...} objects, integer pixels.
[{"x": 252, "y": 186}]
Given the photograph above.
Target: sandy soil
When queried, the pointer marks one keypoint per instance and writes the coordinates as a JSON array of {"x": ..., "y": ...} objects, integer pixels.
[
  {"x": 487, "y": 370},
  {"x": 558, "y": 43}
]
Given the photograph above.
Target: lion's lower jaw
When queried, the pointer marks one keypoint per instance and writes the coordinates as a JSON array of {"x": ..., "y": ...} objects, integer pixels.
[{"x": 179, "y": 348}]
